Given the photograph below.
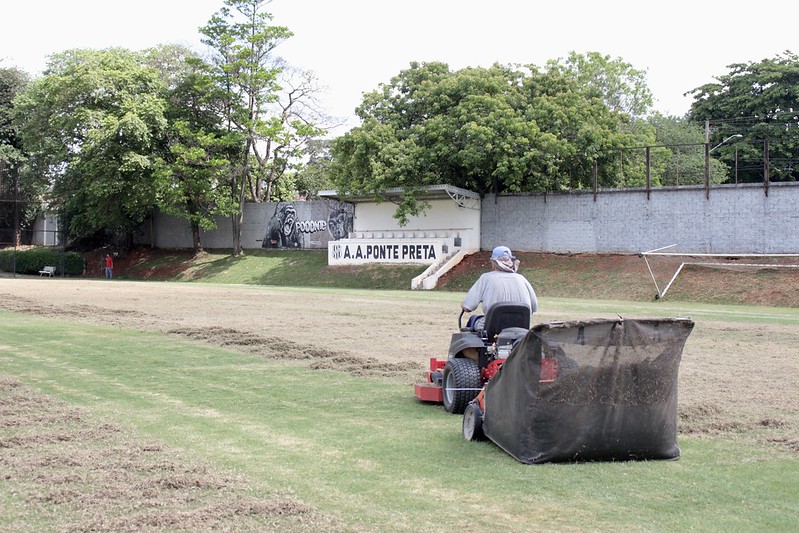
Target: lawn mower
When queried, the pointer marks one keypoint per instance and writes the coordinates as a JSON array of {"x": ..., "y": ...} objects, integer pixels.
[{"x": 475, "y": 355}]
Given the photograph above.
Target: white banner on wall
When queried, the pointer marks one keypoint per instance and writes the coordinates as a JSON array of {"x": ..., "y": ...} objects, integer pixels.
[{"x": 361, "y": 251}]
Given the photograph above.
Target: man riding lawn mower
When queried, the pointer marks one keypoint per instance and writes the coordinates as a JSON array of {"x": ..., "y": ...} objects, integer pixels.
[
  {"x": 603, "y": 389},
  {"x": 477, "y": 350}
]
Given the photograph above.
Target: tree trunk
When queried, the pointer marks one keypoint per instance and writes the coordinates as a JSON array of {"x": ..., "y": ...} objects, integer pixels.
[
  {"x": 195, "y": 237},
  {"x": 235, "y": 225},
  {"x": 238, "y": 191},
  {"x": 196, "y": 244}
]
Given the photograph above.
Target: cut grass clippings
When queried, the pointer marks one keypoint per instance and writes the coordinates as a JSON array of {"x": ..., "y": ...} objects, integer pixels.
[
  {"x": 352, "y": 452},
  {"x": 64, "y": 470}
]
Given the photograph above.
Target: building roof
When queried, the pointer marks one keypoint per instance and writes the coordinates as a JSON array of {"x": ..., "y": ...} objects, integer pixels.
[{"x": 462, "y": 197}]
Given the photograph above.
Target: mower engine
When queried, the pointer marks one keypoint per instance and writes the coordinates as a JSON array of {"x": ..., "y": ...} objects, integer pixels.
[{"x": 505, "y": 341}]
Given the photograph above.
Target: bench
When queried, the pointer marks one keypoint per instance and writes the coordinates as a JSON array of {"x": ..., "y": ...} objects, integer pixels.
[{"x": 48, "y": 270}]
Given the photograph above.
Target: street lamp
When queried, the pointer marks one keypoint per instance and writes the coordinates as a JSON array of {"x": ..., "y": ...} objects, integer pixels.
[{"x": 725, "y": 141}]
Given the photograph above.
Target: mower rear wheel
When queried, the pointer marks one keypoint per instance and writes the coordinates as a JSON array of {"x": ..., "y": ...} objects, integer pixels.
[
  {"x": 473, "y": 422},
  {"x": 461, "y": 383}
]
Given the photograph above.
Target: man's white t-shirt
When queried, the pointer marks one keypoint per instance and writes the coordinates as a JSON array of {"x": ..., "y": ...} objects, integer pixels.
[{"x": 500, "y": 287}]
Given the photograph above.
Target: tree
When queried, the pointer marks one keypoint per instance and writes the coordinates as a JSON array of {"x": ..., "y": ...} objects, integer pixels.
[
  {"x": 682, "y": 152},
  {"x": 197, "y": 153},
  {"x": 17, "y": 192},
  {"x": 274, "y": 125},
  {"x": 91, "y": 125},
  {"x": 760, "y": 101},
  {"x": 621, "y": 86},
  {"x": 12, "y": 82},
  {"x": 196, "y": 166},
  {"x": 501, "y": 129},
  {"x": 314, "y": 175}
]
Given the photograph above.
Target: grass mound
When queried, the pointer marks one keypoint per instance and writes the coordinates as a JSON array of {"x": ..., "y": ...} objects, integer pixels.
[{"x": 585, "y": 276}]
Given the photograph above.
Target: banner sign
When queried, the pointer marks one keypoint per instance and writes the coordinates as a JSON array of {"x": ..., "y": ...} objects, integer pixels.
[{"x": 361, "y": 251}]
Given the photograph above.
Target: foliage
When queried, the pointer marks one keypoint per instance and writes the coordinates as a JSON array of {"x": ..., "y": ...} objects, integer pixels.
[
  {"x": 196, "y": 166},
  {"x": 197, "y": 155},
  {"x": 682, "y": 152},
  {"x": 91, "y": 125},
  {"x": 113, "y": 134},
  {"x": 12, "y": 82},
  {"x": 621, "y": 86},
  {"x": 33, "y": 260},
  {"x": 501, "y": 129},
  {"x": 758, "y": 100},
  {"x": 275, "y": 119},
  {"x": 314, "y": 175},
  {"x": 20, "y": 189}
]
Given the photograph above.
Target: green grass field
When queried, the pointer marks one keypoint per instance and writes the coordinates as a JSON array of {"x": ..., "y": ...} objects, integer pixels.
[{"x": 361, "y": 450}]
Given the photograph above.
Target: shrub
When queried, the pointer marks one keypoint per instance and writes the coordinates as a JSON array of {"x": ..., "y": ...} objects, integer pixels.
[{"x": 33, "y": 260}]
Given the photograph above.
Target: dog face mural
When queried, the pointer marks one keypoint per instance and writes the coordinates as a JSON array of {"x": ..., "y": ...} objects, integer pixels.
[
  {"x": 308, "y": 224},
  {"x": 282, "y": 231},
  {"x": 339, "y": 222}
]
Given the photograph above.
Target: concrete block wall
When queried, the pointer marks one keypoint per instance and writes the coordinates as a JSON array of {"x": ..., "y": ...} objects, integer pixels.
[
  {"x": 735, "y": 219},
  {"x": 313, "y": 221}
]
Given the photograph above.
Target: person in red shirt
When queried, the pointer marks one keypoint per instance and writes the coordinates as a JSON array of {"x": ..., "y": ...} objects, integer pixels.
[{"x": 109, "y": 266}]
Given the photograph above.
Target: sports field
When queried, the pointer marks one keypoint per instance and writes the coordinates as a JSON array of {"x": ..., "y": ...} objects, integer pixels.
[{"x": 161, "y": 406}]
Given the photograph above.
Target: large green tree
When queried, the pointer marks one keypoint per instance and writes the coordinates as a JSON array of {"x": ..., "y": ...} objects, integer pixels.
[
  {"x": 12, "y": 82},
  {"x": 18, "y": 192},
  {"x": 760, "y": 101},
  {"x": 91, "y": 126},
  {"x": 198, "y": 153},
  {"x": 502, "y": 129},
  {"x": 266, "y": 102}
]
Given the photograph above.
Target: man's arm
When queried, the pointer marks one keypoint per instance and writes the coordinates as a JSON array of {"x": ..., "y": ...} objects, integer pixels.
[
  {"x": 533, "y": 298},
  {"x": 473, "y": 297}
]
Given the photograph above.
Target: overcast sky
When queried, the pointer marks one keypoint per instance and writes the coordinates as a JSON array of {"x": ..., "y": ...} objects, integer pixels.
[{"x": 353, "y": 45}]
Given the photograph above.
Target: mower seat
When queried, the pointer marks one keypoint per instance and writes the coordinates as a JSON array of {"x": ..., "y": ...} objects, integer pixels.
[{"x": 502, "y": 316}]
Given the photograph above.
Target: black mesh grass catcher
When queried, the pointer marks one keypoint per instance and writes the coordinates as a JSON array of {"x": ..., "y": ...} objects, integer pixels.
[{"x": 602, "y": 389}]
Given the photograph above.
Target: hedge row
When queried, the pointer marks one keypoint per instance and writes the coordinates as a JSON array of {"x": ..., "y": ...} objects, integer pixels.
[{"x": 32, "y": 261}]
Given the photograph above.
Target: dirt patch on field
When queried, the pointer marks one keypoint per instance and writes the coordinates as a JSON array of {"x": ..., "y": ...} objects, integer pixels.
[{"x": 330, "y": 332}]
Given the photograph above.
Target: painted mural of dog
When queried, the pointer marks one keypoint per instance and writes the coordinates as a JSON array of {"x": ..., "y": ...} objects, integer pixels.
[
  {"x": 339, "y": 222},
  {"x": 282, "y": 231}
]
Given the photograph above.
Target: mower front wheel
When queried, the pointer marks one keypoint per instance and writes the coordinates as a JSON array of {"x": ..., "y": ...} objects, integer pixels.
[
  {"x": 473, "y": 422},
  {"x": 461, "y": 383}
]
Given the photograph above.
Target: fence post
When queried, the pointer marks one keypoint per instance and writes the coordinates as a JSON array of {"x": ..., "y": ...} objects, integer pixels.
[
  {"x": 707, "y": 171},
  {"x": 648, "y": 171},
  {"x": 766, "y": 167},
  {"x": 596, "y": 178}
]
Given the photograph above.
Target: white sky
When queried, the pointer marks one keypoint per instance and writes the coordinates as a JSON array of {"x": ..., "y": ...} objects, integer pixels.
[{"x": 353, "y": 45}]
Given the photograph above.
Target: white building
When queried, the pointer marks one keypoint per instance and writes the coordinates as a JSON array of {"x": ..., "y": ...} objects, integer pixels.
[
  {"x": 45, "y": 230},
  {"x": 448, "y": 230}
]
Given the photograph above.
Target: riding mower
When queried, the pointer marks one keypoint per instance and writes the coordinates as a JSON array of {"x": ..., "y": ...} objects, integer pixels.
[{"x": 475, "y": 355}]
